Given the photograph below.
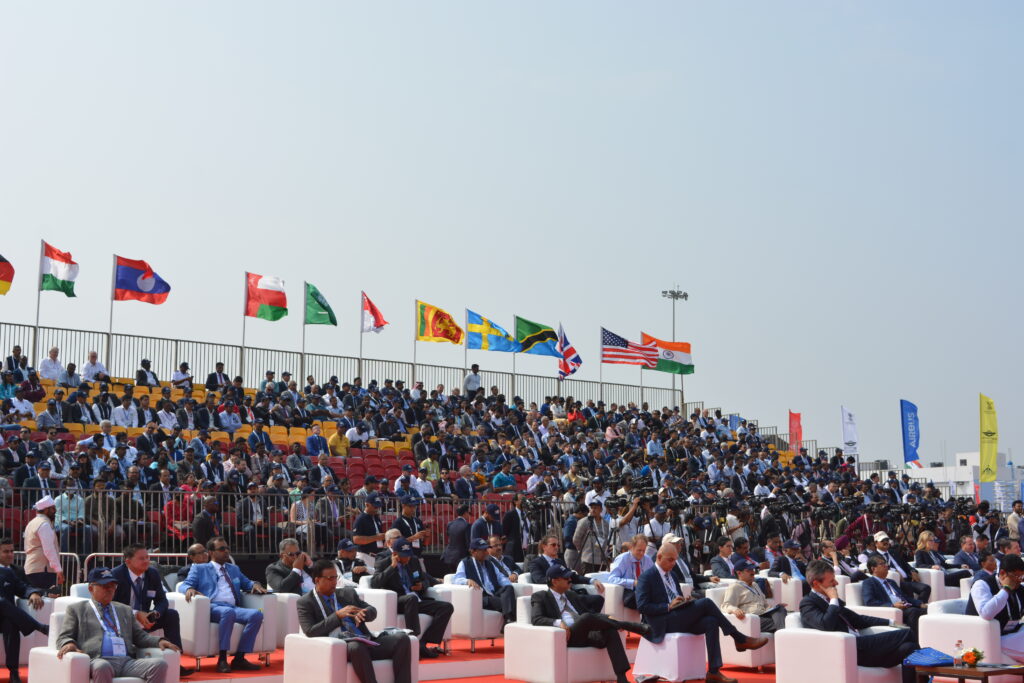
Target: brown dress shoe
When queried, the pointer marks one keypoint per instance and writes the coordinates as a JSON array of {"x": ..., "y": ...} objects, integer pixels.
[
  {"x": 719, "y": 677},
  {"x": 752, "y": 644}
]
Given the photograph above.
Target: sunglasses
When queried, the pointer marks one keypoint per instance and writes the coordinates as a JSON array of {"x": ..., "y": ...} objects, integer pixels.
[{"x": 292, "y": 554}]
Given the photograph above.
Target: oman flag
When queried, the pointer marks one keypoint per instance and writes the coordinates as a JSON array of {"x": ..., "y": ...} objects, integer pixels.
[
  {"x": 58, "y": 271},
  {"x": 673, "y": 357},
  {"x": 265, "y": 297}
]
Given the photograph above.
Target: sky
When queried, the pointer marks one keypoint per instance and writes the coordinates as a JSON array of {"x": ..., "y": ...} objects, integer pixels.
[{"x": 836, "y": 185}]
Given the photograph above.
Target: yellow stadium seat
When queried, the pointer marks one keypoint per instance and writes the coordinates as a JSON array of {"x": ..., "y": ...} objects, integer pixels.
[
  {"x": 298, "y": 434},
  {"x": 219, "y": 436},
  {"x": 31, "y": 424},
  {"x": 136, "y": 431},
  {"x": 39, "y": 407},
  {"x": 47, "y": 382},
  {"x": 74, "y": 427},
  {"x": 92, "y": 429}
]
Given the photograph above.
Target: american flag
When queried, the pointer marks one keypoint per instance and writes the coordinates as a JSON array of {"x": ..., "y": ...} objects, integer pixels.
[
  {"x": 570, "y": 361},
  {"x": 615, "y": 349}
]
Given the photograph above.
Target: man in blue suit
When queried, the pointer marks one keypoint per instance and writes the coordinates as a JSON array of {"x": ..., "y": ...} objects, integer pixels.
[
  {"x": 223, "y": 583},
  {"x": 659, "y": 601},
  {"x": 879, "y": 591},
  {"x": 140, "y": 586},
  {"x": 15, "y": 622}
]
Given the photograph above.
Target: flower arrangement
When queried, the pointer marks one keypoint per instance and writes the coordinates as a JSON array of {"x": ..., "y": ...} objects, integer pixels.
[{"x": 972, "y": 656}]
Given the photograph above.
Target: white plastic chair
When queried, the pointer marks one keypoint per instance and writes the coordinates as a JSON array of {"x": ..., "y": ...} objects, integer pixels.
[
  {"x": 540, "y": 654},
  {"x": 802, "y": 654},
  {"x": 315, "y": 659}
]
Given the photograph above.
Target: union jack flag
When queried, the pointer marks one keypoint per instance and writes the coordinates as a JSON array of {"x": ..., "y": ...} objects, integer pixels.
[{"x": 570, "y": 361}]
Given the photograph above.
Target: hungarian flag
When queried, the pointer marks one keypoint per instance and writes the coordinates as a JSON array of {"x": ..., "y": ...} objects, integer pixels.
[
  {"x": 6, "y": 275},
  {"x": 436, "y": 325},
  {"x": 373, "y": 319},
  {"x": 58, "y": 271},
  {"x": 265, "y": 297},
  {"x": 318, "y": 311},
  {"x": 673, "y": 357},
  {"x": 135, "y": 280}
]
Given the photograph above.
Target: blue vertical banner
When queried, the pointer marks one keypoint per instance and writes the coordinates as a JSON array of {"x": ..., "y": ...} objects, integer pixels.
[{"x": 911, "y": 433}]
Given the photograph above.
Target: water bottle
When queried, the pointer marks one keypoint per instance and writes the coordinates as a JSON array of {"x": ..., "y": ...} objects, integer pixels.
[{"x": 958, "y": 650}]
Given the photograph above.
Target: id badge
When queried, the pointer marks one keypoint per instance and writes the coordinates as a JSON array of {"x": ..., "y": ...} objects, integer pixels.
[
  {"x": 416, "y": 544},
  {"x": 1011, "y": 625},
  {"x": 117, "y": 645}
]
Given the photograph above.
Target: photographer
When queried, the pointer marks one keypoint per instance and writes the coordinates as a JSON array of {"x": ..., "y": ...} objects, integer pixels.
[
  {"x": 592, "y": 537},
  {"x": 624, "y": 526},
  {"x": 656, "y": 529}
]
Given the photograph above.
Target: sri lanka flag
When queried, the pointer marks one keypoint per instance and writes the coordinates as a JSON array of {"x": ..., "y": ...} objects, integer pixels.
[{"x": 135, "y": 280}]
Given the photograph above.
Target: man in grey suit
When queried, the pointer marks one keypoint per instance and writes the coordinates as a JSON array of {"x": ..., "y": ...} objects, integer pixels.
[
  {"x": 109, "y": 633},
  {"x": 341, "y": 613}
]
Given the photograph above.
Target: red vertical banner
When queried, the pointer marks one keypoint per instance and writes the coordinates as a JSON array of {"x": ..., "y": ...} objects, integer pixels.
[{"x": 796, "y": 432}]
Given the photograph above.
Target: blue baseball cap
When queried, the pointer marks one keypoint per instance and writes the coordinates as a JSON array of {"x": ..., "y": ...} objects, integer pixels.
[
  {"x": 375, "y": 501},
  {"x": 346, "y": 544},
  {"x": 402, "y": 548},
  {"x": 493, "y": 510},
  {"x": 101, "y": 576},
  {"x": 479, "y": 544},
  {"x": 558, "y": 571}
]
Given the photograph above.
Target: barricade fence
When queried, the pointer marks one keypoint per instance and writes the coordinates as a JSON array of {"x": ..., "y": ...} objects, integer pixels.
[
  {"x": 121, "y": 353},
  {"x": 70, "y": 565}
]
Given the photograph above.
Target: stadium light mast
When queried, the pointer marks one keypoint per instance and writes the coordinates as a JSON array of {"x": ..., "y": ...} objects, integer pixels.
[{"x": 676, "y": 295}]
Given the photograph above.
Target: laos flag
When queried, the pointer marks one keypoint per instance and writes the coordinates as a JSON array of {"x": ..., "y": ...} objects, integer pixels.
[{"x": 135, "y": 280}]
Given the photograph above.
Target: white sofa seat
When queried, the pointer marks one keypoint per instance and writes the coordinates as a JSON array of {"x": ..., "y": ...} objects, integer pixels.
[
  {"x": 44, "y": 667},
  {"x": 326, "y": 659},
  {"x": 540, "y": 654},
  {"x": 200, "y": 637},
  {"x": 945, "y": 623},
  {"x": 749, "y": 626},
  {"x": 855, "y": 602},
  {"x": 679, "y": 657},
  {"x": 802, "y": 654},
  {"x": 936, "y": 579},
  {"x": 386, "y": 603}
]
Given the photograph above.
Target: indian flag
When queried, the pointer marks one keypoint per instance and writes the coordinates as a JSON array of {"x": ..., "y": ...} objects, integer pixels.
[
  {"x": 265, "y": 297},
  {"x": 673, "y": 357},
  {"x": 58, "y": 271}
]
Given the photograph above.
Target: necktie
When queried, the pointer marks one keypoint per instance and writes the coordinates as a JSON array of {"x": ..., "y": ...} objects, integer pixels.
[
  {"x": 797, "y": 574},
  {"x": 894, "y": 594},
  {"x": 139, "y": 592},
  {"x": 669, "y": 588},
  {"x": 348, "y": 622},
  {"x": 636, "y": 570},
  {"x": 234, "y": 591},
  {"x": 405, "y": 578}
]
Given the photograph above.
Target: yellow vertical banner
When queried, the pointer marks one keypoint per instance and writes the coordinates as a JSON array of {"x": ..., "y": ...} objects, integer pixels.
[{"x": 989, "y": 438}]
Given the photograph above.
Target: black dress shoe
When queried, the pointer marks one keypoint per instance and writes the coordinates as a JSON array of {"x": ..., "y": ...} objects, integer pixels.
[
  {"x": 239, "y": 663},
  {"x": 223, "y": 666},
  {"x": 183, "y": 671},
  {"x": 638, "y": 628},
  {"x": 429, "y": 653},
  {"x": 44, "y": 629}
]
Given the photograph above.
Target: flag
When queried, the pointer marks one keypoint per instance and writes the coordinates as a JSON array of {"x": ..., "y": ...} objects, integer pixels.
[
  {"x": 850, "y": 440},
  {"x": 58, "y": 271},
  {"x": 989, "y": 439},
  {"x": 616, "y": 350},
  {"x": 436, "y": 325},
  {"x": 570, "y": 361},
  {"x": 911, "y": 433},
  {"x": 536, "y": 338},
  {"x": 482, "y": 333},
  {"x": 265, "y": 297},
  {"x": 6, "y": 275},
  {"x": 796, "y": 433},
  {"x": 373, "y": 319},
  {"x": 136, "y": 281},
  {"x": 673, "y": 357},
  {"x": 318, "y": 311}
]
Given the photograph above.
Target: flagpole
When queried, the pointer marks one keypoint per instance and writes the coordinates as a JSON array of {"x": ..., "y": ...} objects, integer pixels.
[
  {"x": 39, "y": 292},
  {"x": 641, "y": 387},
  {"x": 465, "y": 346},
  {"x": 414, "y": 333},
  {"x": 302, "y": 358},
  {"x": 241, "y": 351},
  {"x": 600, "y": 368},
  {"x": 110, "y": 326},
  {"x": 359, "y": 363},
  {"x": 514, "y": 336}
]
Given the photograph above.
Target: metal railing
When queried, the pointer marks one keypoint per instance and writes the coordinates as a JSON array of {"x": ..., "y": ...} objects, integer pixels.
[{"x": 70, "y": 565}]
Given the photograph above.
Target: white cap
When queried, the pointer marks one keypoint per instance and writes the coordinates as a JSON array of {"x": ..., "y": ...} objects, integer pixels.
[
  {"x": 881, "y": 536},
  {"x": 44, "y": 503}
]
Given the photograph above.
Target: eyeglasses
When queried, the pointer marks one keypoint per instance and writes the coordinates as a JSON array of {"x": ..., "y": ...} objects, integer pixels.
[
  {"x": 494, "y": 546},
  {"x": 221, "y": 549},
  {"x": 328, "y": 577},
  {"x": 292, "y": 554}
]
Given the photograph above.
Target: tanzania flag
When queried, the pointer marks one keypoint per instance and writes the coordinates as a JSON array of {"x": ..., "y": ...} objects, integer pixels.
[
  {"x": 265, "y": 297},
  {"x": 58, "y": 270},
  {"x": 318, "y": 311},
  {"x": 673, "y": 357},
  {"x": 436, "y": 325},
  {"x": 536, "y": 338},
  {"x": 6, "y": 275},
  {"x": 484, "y": 334}
]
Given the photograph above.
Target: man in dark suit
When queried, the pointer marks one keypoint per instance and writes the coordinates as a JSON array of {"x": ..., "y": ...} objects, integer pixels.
[
  {"x": 910, "y": 582},
  {"x": 330, "y": 611},
  {"x": 658, "y": 599},
  {"x": 140, "y": 586},
  {"x": 879, "y": 591},
  {"x": 458, "y": 539},
  {"x": 290, "y": 574},
  {"x": 90, "y": 625},
  {"x": 562, "y": 607},
  {"x": 488, "y": 524},
  {"x": 823, "y": 610},
  {"x": 516, "y": 528},
  {"x": 790, "y": 565},
  {"x": 217, "y": 381},
  {"x": 412, "y": 598},
  {"x": 15, "y": 622},
  {"x": 207, "y": 523},
  {"x": 504, "y": 564},
  {"x": 549, "y": 556}
]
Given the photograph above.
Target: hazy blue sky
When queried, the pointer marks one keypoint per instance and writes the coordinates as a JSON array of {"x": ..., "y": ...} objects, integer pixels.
[{"x": 837, "y": 185}]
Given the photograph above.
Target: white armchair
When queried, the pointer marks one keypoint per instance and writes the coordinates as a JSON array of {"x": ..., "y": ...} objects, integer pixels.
[
  {"x": 750, "y": 626},
  {"x": 469, "y": 618},
  {"x": 965, "y": 587},
  {"x": 945, "y": 623},
  {"x": 613, "y": 597},
  {"x": 386, "y": 603},
  {"x": 801, "y": 654},
  {"x": 856, "y": 604},
  {"x": 287, "y": 615},
  {"x": 201, "y": 638},
  {"x": 540, "y": 654},
  {"x": 936, "y": 579},
  {"x": 44, "y": 667},
  {"x": 81, "y": 590},
  {"x": 36, "y": 639},
  {"x": 307, "y": 659},
  {"x": 789, "y": 593}
]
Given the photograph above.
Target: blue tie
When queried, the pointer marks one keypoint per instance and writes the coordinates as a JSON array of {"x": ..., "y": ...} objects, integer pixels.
[{"x": 348, "y": 622}]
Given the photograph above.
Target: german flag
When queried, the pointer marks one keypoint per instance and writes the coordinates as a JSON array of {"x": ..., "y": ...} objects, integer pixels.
[{"x": 6, "y": 275}]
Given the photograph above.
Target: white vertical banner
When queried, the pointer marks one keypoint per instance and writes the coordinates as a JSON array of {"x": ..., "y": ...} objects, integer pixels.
[{"x": 850, "y": 440}]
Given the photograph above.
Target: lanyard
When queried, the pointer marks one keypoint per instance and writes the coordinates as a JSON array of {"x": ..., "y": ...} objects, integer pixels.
[{"x": 110, "y": 627}]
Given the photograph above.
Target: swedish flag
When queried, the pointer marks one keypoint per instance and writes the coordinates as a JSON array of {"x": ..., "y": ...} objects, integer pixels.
[{"x": 484, "y": 334}]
